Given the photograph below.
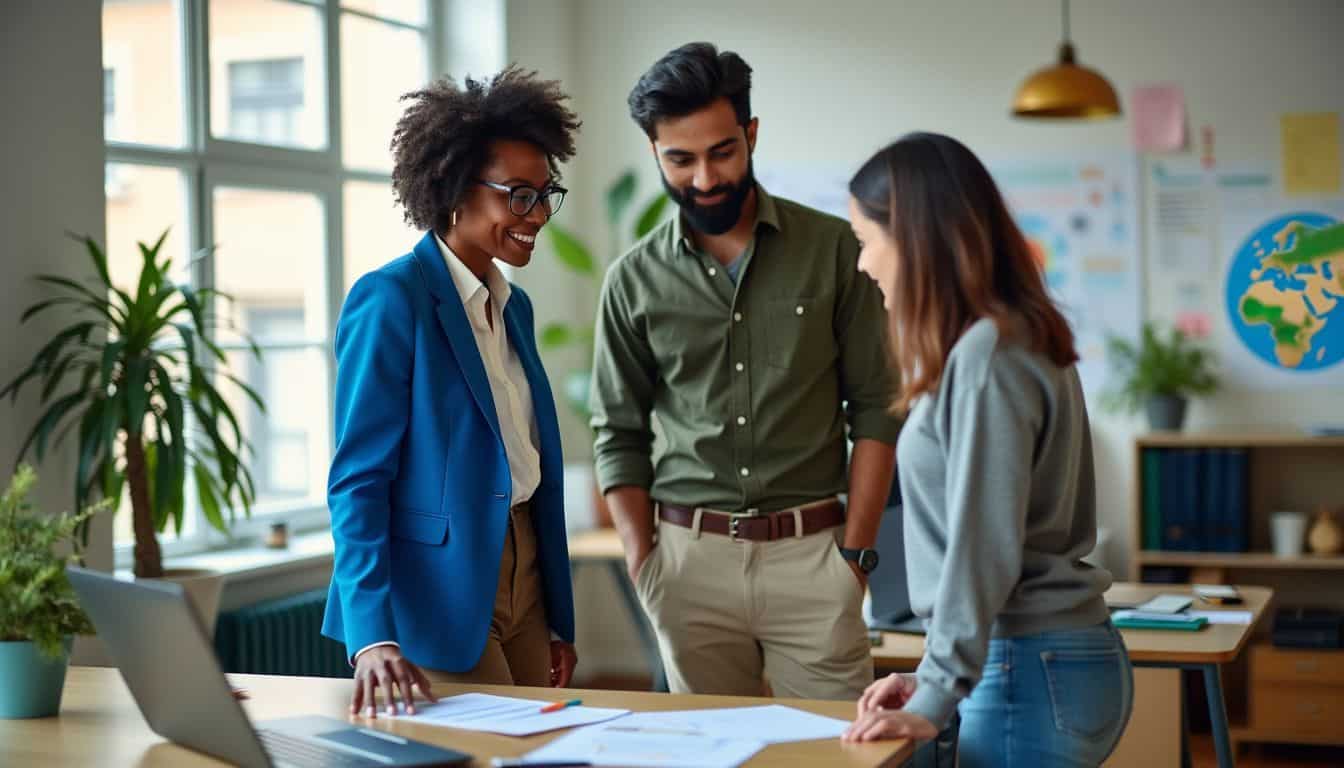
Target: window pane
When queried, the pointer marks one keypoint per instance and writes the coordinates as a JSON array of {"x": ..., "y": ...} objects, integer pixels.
[
  {"x": 267, "y": 76},
  {"x": 409, "y": 11},
  {"x": 370, "y": 93},
  {"x": 142, "y": 72},
  {"x": 375, "y": 232},
  {"x": 143, "y": 201},
  {"x": 289, "y": 441},
  {"x": 269, "y": 256}
]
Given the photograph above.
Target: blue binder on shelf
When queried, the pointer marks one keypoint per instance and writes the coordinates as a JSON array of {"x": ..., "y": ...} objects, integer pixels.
[{"x": 1182, "y": 503}]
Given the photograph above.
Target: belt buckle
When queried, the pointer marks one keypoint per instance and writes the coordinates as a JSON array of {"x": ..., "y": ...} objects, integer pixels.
[{"x": 734, "y": 521}]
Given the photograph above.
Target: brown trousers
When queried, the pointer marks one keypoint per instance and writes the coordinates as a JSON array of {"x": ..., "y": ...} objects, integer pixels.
[{"x": 518, "y": 648}]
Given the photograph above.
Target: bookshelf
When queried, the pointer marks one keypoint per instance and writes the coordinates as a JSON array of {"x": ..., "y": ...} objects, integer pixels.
[
  {"x": 1273, "y": 694},
  {"x": 1284, "y": 470}
]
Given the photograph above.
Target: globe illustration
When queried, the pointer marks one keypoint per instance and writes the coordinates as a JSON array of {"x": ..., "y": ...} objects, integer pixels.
[{"x": 1285, "y": 292}]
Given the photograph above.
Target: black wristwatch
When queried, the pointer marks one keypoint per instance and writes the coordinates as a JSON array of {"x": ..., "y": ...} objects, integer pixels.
[{"x": 866, "y": 558}]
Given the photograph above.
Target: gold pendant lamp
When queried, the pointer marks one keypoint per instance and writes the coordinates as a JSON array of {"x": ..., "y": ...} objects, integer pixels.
[{"x": 1066, "y": 90}]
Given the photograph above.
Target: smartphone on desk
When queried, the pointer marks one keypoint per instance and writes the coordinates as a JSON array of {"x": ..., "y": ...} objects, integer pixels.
[{"x": 1218, "y": 594}]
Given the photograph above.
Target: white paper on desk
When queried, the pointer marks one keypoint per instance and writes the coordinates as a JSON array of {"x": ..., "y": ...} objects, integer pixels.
[
  {"x": 619, "y": 744},
  {"x": 769, "y": 724},
  {"x": 506, "y": 716},
  {"x": 1224, "y": 617}
]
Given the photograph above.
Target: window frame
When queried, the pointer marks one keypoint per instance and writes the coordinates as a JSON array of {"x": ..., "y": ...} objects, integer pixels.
[{"x": 207, "y": 163}]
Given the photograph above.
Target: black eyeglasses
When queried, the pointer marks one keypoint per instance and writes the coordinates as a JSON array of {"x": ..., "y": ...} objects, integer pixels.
[{"x": 524, "y": 197}]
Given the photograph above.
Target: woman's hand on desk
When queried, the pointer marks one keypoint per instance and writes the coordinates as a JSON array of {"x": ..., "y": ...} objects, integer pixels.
[
  {"x": 384, "y": 667},
  {"x": 563, "y": 660},
  {"x": 891, "y": 692},
  {"x": 890, "y": 724}
]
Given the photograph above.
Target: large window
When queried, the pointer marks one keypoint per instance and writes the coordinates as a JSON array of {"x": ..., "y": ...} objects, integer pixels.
[{"x": 260, "y": 128}]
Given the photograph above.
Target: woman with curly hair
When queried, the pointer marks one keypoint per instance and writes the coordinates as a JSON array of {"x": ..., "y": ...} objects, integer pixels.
[{"x": 445, "y": 488}]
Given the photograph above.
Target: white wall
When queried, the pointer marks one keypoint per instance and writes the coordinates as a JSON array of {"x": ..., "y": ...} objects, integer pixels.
[
  {"x": 51, "y": 150},
  {"x": 835, "y": 80}
]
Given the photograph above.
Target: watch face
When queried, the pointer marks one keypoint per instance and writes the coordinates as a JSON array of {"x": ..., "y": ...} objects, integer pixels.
[{"x": 868, "y": 560}]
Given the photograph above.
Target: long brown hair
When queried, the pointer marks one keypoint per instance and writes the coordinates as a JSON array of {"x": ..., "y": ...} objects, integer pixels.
[{"x": 960, "y": 258}]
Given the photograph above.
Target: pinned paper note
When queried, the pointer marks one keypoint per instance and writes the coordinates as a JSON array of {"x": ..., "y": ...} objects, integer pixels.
[
  {"x": 1311, "y": 158},
  {"x": 1158, "y": 112}
]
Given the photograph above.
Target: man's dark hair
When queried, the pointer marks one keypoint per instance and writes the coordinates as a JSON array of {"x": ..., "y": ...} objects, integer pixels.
[
  {"x": 689, "y": 79},
  {"x": 443, "y": 139}
]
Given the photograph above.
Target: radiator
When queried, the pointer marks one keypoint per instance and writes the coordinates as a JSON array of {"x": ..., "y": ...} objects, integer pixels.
[{"x": 280, "y": 637}]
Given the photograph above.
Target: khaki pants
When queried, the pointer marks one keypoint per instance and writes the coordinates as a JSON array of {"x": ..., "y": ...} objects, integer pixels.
[
  {"x": 729, "y": 614},
  {"x": 518, "y": 648}
]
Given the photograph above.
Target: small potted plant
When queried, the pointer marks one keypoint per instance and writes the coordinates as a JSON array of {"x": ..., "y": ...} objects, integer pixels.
[
  {"x": 1159, "y": 375},
  {"x": 39, "y": 614}
]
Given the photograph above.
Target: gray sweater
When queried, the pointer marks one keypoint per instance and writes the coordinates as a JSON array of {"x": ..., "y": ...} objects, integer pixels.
[{"x": 1000, "y": 505}]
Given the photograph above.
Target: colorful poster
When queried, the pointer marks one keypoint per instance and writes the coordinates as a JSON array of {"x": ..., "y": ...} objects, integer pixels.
[
  {"x": 1282, "y": 292},
  {"x": 1081, "y": 218}
]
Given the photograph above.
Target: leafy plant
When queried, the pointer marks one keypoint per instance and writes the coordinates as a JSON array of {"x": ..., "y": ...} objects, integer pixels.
[
  {"x": 1175, "y": 366},
  {"x": 578, "y": 258},
  {"x": 144, "y": 401},
  {"x": 36, "y": 601}
]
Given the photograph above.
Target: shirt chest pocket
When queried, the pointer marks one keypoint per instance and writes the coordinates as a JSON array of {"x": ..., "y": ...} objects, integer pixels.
[{"x": 798, "y": 332}]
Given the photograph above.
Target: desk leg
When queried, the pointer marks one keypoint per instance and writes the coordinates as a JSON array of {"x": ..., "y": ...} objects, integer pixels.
[
  {"x": 1213, "y": 690},
  {"x": 647, "y": 638}
]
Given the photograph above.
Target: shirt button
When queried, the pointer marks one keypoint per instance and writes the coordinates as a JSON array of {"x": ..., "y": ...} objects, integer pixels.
[
  {"x": 737, "y": 317},
  {"x": 745, "y": 471},
  {"x": 713, "y": 271},
  {"x": 740, "y": 367},
  {"x": 798, "y": 310},
  {"x": 741, "y": 420}
]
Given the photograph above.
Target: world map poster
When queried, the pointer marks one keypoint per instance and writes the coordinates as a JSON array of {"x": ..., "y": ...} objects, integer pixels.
[{"x": 1281, "y": 290}]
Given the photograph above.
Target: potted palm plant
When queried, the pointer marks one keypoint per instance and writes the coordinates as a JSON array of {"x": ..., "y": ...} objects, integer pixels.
[
  {"x": 133, "y": 376},
  {"x": 39, "y": 614},
  {"x": 578, "y": 258},
  {"x": 1159, "y": 375}
]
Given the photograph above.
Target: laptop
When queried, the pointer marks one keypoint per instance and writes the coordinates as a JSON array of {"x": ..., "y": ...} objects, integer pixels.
[
  {"x": 158, "y": 643},
  {"x": 888, "y": 591}
]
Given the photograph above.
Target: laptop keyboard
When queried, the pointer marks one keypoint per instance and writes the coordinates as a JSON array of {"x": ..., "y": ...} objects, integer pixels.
[{"x": 291, "y": 750}]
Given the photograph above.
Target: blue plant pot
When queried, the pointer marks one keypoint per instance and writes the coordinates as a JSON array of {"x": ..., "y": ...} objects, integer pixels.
[{"x": 30, "y": 683}]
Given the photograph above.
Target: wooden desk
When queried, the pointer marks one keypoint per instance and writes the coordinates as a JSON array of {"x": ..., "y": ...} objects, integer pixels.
[
  {"x": 1202, "y": 651},
  {"x": 99, "y": 724},
  {"x": 602, "y": 548}
]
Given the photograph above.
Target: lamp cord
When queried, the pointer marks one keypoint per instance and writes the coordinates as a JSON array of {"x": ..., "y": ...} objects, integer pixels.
[{"x": 1065, "y": 5}]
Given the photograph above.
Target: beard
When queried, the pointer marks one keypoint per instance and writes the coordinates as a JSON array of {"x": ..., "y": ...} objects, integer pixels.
[{"x": 717, "y": 218}]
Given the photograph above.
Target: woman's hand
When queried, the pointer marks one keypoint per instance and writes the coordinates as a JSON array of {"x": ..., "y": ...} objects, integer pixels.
[
  {"x": 890, "y": 724},
  {"x": 384, "y": 667},
  {"x": 563, "y": 660},
  {"x": 891, "y": 692}
]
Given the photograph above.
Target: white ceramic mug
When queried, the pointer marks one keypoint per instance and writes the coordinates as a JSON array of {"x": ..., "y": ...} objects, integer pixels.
[{"x": 1287, "y": 531}]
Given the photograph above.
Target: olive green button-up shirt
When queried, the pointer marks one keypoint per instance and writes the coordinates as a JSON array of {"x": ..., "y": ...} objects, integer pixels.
[{"x": 751, "y": 383}]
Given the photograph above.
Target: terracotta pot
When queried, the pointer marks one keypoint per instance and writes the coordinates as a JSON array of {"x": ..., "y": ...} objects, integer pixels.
[{"x": 1325, "y": 537}]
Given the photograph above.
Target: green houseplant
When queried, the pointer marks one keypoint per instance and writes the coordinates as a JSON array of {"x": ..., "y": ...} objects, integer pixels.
[
  {"x": 134, "y": 375},
  {"x": 1159, "y": 374},
  {"x": 576, "y": 256},
  {"x": 39, "y": 613}
]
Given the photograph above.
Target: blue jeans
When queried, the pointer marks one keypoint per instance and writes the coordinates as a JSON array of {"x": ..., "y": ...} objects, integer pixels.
[{"x": 1052, "y": 699}]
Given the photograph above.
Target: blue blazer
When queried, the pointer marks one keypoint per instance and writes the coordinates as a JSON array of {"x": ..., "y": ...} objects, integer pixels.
[{"x": 420, "y": 487}]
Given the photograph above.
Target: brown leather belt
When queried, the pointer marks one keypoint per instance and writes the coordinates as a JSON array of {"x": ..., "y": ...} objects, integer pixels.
[{"x": 764, "y": 526}]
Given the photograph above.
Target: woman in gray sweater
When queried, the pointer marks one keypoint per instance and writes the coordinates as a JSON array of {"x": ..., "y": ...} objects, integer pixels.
[{"x": 995, "y": 466}]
